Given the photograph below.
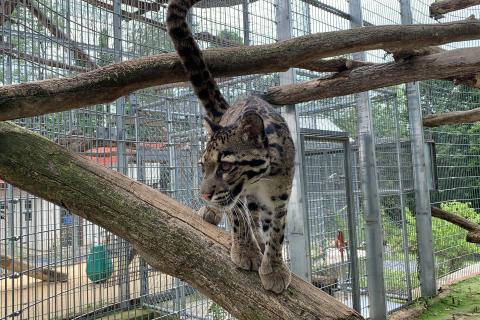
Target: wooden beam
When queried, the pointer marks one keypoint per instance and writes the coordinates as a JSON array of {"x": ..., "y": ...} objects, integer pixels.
[
  {"x": 436, "y": 66},
  {"x": 473, "y": 229},
  {"x": 111, "y": 82},
  {"x": 168, "y": 235},
  {"x": 45, "y": 274},
  {"x": 454, "y": 117},
  {"x": 438, "y": 8}
]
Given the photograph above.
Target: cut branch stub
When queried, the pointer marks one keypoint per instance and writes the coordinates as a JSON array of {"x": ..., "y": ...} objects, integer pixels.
[{"x": 165, "y": 233}]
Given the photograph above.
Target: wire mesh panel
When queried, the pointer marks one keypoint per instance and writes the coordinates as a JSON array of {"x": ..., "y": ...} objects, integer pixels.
[
  {"x": 56, "y": 265},
  {"x": 330, "y": 212}
]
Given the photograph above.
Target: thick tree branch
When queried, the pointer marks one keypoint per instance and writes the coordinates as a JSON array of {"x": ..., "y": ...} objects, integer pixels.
[
  {"x": 454, "y": 117},
  {"x": 436, "y": 66},
  {"x": 473, "y": 229},
  {"x": 111, "y": 82},
  {"x": 445, "y": 6},
  {"x": 167, "y": 234}
]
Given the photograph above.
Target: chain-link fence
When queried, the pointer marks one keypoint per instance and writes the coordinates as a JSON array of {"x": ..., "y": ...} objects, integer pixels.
[{"x": 56, "y": 265}]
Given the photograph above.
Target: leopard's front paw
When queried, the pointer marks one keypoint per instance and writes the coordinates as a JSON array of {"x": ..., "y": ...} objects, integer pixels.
[
  {"x": 248, "y": 258},
  {"x": 211, "y": 215},
  {"x": 274, "y": 276}
]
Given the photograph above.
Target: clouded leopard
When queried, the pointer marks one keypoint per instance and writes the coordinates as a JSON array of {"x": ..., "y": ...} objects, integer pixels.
[{"x": 247, "y": 165}]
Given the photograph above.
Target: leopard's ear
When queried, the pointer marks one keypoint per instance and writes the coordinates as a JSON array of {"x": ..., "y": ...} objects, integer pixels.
[
  {"x": 211, "y": 126},
  {"x": 252, "y": 128}
]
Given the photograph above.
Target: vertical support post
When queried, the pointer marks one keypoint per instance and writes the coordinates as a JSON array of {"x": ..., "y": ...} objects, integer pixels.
[
  {"x": 10, "y": 232},
  {"x": 124, "y": 274},
  {"x": 246, "y": 23},
  {"x": 297, "y": 233},
  {"x": 352, "y": 234},
  {"x": 369, "y": 183},
  {"x": 422, "y": 194},
  {"x": 140, "y": 161}
]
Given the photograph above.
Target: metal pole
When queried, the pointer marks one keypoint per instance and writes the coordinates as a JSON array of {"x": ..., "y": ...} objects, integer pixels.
[
  {"x": 140, "y": 161},
  {"x": 124, "y": 275},
  {"x": 402, "y": 201},
  {"x": 422, "y": 194},
  {"x": 369, "y": 183},
  {"x": 352, "y": 234},
  {"x": 246, "y": 23},
  {"x": 297, "y": 231}
]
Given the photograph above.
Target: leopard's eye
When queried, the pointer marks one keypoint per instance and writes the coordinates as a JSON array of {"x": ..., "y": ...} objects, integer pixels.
[{"x": 226, "y": 166}]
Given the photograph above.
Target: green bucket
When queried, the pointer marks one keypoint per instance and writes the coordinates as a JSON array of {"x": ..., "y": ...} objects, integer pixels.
[{"x": 99, "y": 264}]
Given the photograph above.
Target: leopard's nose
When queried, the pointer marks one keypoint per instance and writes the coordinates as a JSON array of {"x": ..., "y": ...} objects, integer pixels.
[{"x": 207, "y": 196}]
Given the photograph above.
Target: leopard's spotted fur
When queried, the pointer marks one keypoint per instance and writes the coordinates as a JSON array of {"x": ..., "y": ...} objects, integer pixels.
[{"x": 248, "y": 163}]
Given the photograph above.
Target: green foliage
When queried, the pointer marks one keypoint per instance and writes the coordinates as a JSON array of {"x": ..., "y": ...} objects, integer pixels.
[
  {"x": 448, "y": 240},
  {"x": 230, "y": 36},
  {"x": 217, "y": 312},
  {"x": 104, "y": 57},
  {"x": 462, "y": 301}
]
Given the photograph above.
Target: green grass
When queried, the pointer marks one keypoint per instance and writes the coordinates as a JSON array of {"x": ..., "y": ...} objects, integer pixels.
[{"x": 462, "y": 301}]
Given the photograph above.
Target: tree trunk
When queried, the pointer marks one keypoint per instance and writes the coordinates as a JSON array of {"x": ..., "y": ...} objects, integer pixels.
[
  {"x": 111, "y": 82},
  {"x": 444, "y": 6},
  {"x": 167, "y": 234}
]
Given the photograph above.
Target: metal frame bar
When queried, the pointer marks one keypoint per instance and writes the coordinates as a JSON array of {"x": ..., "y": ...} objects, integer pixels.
[
  {"x": 369, "y": 182},
  {"x": 422, "y": 194},
  {"x": 297, "y": 231}
]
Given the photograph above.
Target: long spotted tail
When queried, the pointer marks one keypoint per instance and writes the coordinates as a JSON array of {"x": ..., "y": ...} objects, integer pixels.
[{"x": 203, "y": 83}]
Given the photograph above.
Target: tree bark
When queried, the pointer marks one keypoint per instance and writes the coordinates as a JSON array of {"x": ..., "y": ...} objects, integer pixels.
[
  {"x": 473, "y": 229},
  {"x": 445, "y": 6},
  {"x": 111, "y": 82},
  {"x": 454, "y": 117},
  {"x": 167, "y": 234},
  {"x": 436, "y": 66}
]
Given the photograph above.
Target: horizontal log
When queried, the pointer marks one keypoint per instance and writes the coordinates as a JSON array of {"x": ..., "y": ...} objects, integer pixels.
[
  {"x": 436, "y": 66},
  {"x": 165, "y": 233},
  {"x": 454, "y": 117},
  {"x": 438, "y": 8},
  {"x": 111, "y": 82},
  {"x": 473, "y": 229}
]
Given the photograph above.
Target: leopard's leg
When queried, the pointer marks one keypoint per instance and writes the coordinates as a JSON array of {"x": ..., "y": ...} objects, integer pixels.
[
  {"x": 245, "y": 252},
  {"x": 273, "y": 271}
]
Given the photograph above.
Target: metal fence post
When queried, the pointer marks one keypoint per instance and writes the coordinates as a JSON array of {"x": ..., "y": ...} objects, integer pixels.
[
  {"x": 422, "y": 193},
  {"x": 369, "y": 183},
  {"x": 122, "y": 163},
  {"x": 297, "y": 232},
  {"x": 352, "y": 234}
]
